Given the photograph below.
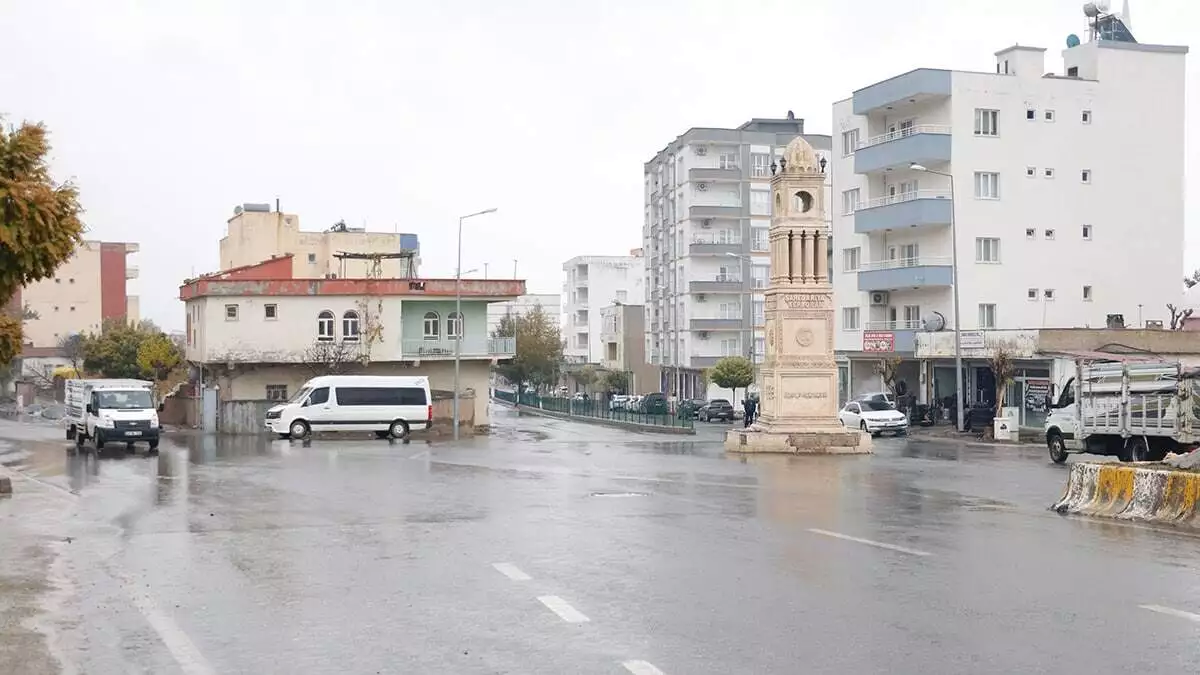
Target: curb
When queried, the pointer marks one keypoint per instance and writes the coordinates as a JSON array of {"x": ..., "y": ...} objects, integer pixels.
[
  {"x": 600, "y": 421},
  {"x": 1132, "y": 492}
]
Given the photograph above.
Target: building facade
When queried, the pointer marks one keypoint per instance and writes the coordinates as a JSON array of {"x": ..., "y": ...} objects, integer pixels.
[
  {"x": 550, "y": 303},
  {"x": 591, "y": 282},
  {"x": 256, "y": 233},
  {"x": 1034, "y": 172},
  {"x": 258, "y": 333},
  {"x": 623, "y": 339},
  {"x": 707, "y": 213}
]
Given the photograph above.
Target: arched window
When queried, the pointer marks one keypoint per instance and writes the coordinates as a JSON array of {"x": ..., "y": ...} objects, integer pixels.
[
  {"x": 454, "y": 326},
  {"x": 432, "y": 326},
  {"x": 325, "y": 326},
  {"x": 350, "y": 326},
  {"x": 802, "y": 202}
]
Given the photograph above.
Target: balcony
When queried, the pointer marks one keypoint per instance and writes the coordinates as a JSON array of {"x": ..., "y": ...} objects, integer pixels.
[
  {"x": 734, "y": 175},
  {"x": 887, "y": 275},
  {"x": 715, "y": 324},
  {"x": 720, "y": 283},
  {"x": 919, "y": 208},
  {"x": 713, "y": 246},
  {"x": 131, "y": 272},
  {"x": 706, "y": 211},
  {"x": 915, "y": 86},
  {"x": 904, "y": 333},
  {"x": 923, "y": 144},
  {"x": 469, "y": 348},
  {"x": 703, "y": 361}
]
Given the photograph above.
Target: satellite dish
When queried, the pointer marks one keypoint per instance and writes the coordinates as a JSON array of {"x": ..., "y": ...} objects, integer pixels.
[
  {"x": 1102, "y": 5},
  {"x": 1072, "y": 40},
  {"x": 1090, "y": 9},
  {"x": 933, "y": 323}
]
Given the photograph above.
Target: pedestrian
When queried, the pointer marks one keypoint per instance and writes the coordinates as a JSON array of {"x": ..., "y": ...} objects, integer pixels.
[{"x": 747, "y": 412}]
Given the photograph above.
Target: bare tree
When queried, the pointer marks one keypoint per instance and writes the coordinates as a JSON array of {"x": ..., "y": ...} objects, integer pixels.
[
  {"x": 1178, "y": 316},
  {"x": 1192, "y": 280},
  {"x": 1003, "y": 369},
  {"x": 888, "y": 370},
  {"x": 331, "y": 357},
  {"x": 71, "y": 348}
]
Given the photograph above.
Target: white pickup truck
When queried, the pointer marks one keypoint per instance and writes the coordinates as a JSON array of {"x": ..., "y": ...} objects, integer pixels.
[
  {"x": 112, "y": 411},
  {"x": 1137, "y": 410}
]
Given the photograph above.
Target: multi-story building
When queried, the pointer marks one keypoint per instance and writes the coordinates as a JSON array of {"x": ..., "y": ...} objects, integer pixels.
[
  {"x": 623, "y": 337},
  {"x": 592, "y": 282},
  {"x": 549, "y": 302},
  {"x": 257, "y": 333},
  {"x": 1064, "y": 218},
  {"x": 707, "y": 212},
  {"x": 256, "y": 233}
]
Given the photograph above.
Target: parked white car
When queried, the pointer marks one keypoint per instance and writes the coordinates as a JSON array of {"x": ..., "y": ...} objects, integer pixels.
[{"x": 874, "y": 417}]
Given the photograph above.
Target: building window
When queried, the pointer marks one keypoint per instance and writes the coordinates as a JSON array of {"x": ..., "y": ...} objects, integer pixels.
[
  {"x": 849, "y": 318},
  {"x": 57, "y": 280},
  {"x": 1086, "y": 117},
  {"x": 851, "y": 259},
  {"x": 431, "y": 326},
  {"x": 231, "y": 312},
  {"x": 759, "y": 238},
  {"x": 1049, "y": 234},
  {"x": 987, "y": 250},
  {"x": 1087, "y": 293},
  {"x": 987, "y": 122},
  {"x": 987, "y": 315},
  {"x": 729, "y": 160},
  {"x": 1049, "y": 116},
  {"x": 760, "y": 346},
  {"x": 850, "y": 201},
  {"x": 1031, "y": 171},
  {"x": 1048, "y": 173},
  {"x": 849, "y": 142},
  {"x": 325, "y": 326},
  {"x": 1030, "y": 233},
  {"x": 1048, "y": 293},
  {"x": 1030, "y": 114},
  {"x": 1032, "y": 294},
  {"x": 71, "y": 280},
  {"x": 760, "y": 203},
  {"x": 277, "y": 392},
  {"x": 1073, "y": 71},
  {"x": 72, "y": 308},
  {"x": 350, "y": 326},
  {"x": 1087, "y": 232},
  {"x": 1085, "y": 175},
  {"x": 270, "y": 312},
  {"x": 454, "y": 326},
  {"x": 987, "y": 185},
  {"x": 758, "y": 275},
  {"x": 760, "y": 164},
  {"x": 622, "y": 296},
  {"x": 312, "y": 258},
  {"x": 760, "y": 312}
]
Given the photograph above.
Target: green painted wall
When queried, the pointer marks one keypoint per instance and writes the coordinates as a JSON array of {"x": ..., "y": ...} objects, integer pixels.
[{"x": 413, "y": 317}]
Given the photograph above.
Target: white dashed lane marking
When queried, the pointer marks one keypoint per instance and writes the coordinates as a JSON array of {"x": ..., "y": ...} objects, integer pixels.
[
  {"x": 511, "y": 571},
  {"x": 563, "y": 609},
  {"x": 868, "y": 542},
  {"x": 641, "y": 668},
  {"x": 1177, "y": 613}
]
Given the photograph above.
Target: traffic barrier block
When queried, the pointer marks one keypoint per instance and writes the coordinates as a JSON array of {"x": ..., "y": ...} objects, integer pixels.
[
  {"x": 5, "y": 486},
  {"x": 1147, "y": 493}
]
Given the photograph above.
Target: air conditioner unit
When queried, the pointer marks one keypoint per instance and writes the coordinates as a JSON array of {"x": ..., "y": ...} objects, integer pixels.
[
  {"x": 701, "y": 187},
  {"x": 706, "y": 224},
  {"x": 701, "y": 150},
  {"x": 879, "y": 299},
  {"x": 703, "y": 335},
  {"x": 700, "y": 298},
  {"x": 1154, "y": 325}
]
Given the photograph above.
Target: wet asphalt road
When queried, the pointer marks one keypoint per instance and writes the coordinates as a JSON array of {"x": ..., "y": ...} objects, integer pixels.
[{"x": 557, "y": 548}]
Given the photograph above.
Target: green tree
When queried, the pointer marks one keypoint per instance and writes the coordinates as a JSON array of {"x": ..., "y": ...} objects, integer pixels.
[
  {"x": 586, "y": 377},
  {"x": 732, "y": 372},
  {"x": 158, "y": 355},
  {"x": 538, "y": 357},
  {"x": 39, "y": 221},
  {"x": 617, "y": 381},
  {"x": 114, "y": 351}
]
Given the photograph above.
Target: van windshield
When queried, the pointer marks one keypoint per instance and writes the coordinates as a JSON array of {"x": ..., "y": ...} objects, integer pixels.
[
  {"x": 300, "y": 395},
  {"x": 124, "y": 400}
]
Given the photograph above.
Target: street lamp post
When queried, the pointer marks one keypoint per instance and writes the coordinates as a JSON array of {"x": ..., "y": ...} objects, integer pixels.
[
  {"x": 749, "y": 295},
  {"x": 958, "y": 365},
  {"x": 459, "y": 323}
]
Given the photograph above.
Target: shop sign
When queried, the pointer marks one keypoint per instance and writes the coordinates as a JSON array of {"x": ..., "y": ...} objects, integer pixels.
[{"x": 879, "y": 341}]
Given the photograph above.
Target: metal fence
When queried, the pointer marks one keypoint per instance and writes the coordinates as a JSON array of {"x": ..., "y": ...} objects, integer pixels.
[{"x": 595, "y": 409}]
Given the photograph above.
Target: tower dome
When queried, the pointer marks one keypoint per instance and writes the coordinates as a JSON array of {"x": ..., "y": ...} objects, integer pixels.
[{"x": 799, "y": 156}]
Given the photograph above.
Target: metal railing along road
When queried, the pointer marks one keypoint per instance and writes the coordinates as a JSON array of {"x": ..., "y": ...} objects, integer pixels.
[
  {"x": 901, "y": 197},
  {"x": 898, "y": 263},
  {"x": 905, "y": 132},
  {"x": 596, "y": 409},
  {"x": 893, "y": 325}
]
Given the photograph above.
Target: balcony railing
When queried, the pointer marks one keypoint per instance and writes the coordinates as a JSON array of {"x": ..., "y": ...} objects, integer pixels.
[
  {"x": 893, "y": 325},
  {"x": 474, "y": 348},
  {"x": 901, "y": 197},
  {"x": 903, "y": 262},
  {"x": 922, "y": 144},
  {"x": 885, "y": 275},
  {"x": 905, "y": 132}
]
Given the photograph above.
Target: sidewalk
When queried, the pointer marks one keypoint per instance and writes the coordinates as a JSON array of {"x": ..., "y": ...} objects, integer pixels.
[{"x": 946, "y": 433}]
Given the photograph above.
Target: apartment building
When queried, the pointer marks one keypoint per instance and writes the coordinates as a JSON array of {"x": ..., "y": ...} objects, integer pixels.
[
  {"x": 623, "y": 334},
  {"x": 258, "y": 335},
  {"x": 707, "y": 213},
  {"x": 592, "y": 282},
  {"x": 256, "y": 233},
  {"x": 1064, "y": 217},
  {"x": 550, "y": 303}
]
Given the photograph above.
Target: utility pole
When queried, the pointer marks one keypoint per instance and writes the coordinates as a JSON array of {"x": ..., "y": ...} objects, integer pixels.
[{"x": 485, "y": 270}]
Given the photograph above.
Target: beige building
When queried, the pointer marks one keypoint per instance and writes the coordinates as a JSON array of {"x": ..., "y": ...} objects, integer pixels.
[
  {"x": 256, "y": 233},
  {"x": 623, "y": 342},
  {"x": 86, "y": 290}
]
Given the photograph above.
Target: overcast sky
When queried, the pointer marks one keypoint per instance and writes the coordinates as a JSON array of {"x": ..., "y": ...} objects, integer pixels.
[{"x": 401, "y": 114}]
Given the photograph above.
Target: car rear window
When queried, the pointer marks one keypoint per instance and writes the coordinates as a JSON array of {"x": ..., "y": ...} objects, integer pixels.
[
  {"x": 381, "y": 396},
  {"x": 720, "y": 401}
]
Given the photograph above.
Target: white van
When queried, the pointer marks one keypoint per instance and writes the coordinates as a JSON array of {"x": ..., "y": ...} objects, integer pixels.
[{"x": 389, "y": 406}]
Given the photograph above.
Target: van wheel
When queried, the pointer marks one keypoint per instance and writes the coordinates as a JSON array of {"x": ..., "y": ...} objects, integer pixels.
[
  {"x": 382, "y": 434},
  {"x": 398, "y": 430},
  {"x": 299, "y": 430},
  {"x": 1057, "y": 446}
]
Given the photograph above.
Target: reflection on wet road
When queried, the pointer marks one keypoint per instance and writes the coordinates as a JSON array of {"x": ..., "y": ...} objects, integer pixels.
[{"x": 555, "y": 548}]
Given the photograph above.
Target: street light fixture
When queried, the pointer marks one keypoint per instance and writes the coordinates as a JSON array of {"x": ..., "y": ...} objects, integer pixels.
[
  {"x": 958, "y": 365},
  {"x": 458, "y": 317}
]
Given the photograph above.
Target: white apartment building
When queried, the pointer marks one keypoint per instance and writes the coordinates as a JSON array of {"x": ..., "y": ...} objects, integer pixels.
[
  {"x": 550, "y": 303},
  {"x": 1068, "y": 198},
  {"x": 592, "y": 282},
  {"x": 707, "y": 213}
]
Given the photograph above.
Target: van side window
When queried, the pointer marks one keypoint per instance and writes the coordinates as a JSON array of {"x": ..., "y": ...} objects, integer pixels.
[
  {"x": 384, "y": 396},
  {"x": 319, "y": 396}
]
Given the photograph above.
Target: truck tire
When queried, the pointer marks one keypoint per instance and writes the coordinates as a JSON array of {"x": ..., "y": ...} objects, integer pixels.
[
  {"x": 1057, "y": 447},
  {"x": 154, "y": 445},
  {"x": 70, "y": 432},
  {"x": 1136, "y": 450},
  {"x": 99, "y": 441}
]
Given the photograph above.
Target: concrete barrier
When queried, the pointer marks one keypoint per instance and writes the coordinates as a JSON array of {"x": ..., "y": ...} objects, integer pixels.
[
  {"x": 1145, "y": 492},
  {"x": 5, "y": 485},
  {"x": 600, "y": 421}
]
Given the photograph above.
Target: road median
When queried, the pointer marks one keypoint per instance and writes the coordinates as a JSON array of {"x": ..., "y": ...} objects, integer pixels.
[
  {"x": 1152, "y": 493},
  {"x": 613, "y": 423}
]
